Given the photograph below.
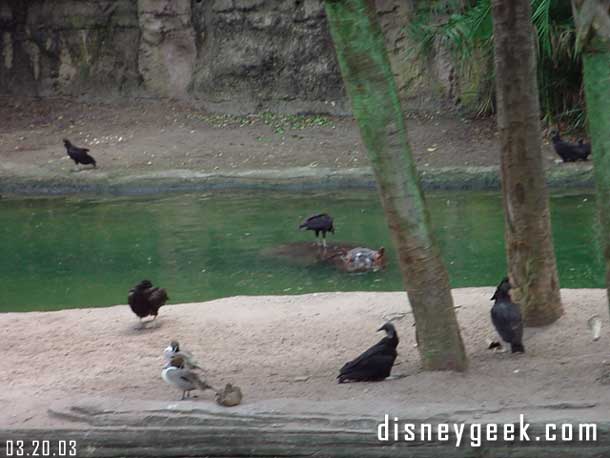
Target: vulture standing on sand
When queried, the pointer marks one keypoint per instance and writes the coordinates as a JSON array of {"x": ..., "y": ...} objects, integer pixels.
[
  {"x": 321, "y": 223},
  {"x": 375, "y": 363},
  {"x": 145, "y": 299},
  {"x": 174, "y": 373},
  {"x": 78, "y": 155},
  {"x": 506, "y": 318}
]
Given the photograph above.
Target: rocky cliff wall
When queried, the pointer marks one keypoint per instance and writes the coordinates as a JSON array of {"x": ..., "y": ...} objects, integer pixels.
[
  {"x": 260, "y": 54},
  {"x": 69, "y": 47},
  {"x": 235, "y": 56}
]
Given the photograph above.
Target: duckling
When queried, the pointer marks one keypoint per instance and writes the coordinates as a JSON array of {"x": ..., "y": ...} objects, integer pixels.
[
  {"x": 230, "y": 396},
  {"x": 184, "y": 379}
]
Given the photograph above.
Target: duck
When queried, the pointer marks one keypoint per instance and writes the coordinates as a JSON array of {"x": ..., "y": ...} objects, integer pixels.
[
  {"x": 173, "y": 349},
  {"x": 176, "y": 374}
]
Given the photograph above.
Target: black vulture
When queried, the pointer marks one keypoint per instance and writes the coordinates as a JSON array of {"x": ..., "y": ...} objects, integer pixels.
[
  {"x": 78, "y": 155},
  {"x": 506, "y": 317},
  {"x": 174, "y": 373},
  {"x": 321, "y": 223},
  {"x": 585, "y": 148},
  {"x": 374, "y": 364},
  {"x": 570, "y": 152},
  {"x": 145, "y": 299}
]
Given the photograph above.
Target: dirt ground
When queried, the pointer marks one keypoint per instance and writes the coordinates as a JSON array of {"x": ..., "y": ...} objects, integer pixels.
[
  {"x": 151, "y": 136},
  {"x": 292, "y": 347}
]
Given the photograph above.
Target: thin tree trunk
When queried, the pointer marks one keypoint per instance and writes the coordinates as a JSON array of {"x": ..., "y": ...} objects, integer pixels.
[
  {"x": 529, "y": 245},
  {"x": 592, "y": 20},
  {"x": 370, "y": 84}
]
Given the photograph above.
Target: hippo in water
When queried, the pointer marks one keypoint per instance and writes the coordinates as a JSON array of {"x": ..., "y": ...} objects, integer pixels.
[
  {"x": 361, "y": 259},
  {"x": 346, "y": 257}
]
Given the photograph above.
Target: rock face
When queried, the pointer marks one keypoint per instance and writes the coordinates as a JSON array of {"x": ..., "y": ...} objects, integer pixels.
[
  {"x": 69, "y": 47},
  {"x": 235, "y": 56},
  {"x": 167, "y": 50},
  {"x": 261, "y": 54}
]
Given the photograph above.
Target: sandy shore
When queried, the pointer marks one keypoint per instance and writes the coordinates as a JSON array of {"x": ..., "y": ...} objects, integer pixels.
[{"x": 290, "y": 347}]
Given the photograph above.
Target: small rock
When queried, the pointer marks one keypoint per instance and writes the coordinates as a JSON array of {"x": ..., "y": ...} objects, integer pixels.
[{"x": 302, "y": 378}]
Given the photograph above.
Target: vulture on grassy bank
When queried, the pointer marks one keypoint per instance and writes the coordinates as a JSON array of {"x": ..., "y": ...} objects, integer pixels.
[
  {"x": 79, "y": 155},
  {"x": 570, "y": 152}
]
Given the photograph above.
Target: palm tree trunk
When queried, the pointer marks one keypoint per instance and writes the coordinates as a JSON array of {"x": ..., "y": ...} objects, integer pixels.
[
  {"x": 592, "y": 20},
  {"x": 529, "y": 245},
  {"x": 366, "y": 71}
]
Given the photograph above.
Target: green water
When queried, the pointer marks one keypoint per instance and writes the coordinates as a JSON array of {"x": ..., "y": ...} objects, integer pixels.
[{"x": 69, "y": 252}]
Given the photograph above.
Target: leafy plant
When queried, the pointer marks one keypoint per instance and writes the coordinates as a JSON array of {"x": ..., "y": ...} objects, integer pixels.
[{"x": 467, "y": 32}]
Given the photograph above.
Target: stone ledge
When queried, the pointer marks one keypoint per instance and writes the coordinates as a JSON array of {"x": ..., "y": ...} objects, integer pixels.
[
  {"x": 284, "y": 427},
  {"x": 292, "y": 179}
]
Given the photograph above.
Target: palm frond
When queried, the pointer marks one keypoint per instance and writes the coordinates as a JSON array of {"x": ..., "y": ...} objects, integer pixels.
[
  {"x": 468, "y": 33},
  {"x": 542, "y": 21}
]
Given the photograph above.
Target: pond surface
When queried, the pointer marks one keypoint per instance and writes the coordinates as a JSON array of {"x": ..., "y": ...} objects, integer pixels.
[{"x": 71, "y": 252}]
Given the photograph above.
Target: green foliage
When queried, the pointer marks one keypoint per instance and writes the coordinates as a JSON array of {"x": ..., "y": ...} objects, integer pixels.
[{"x": 468, "y": 35}]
